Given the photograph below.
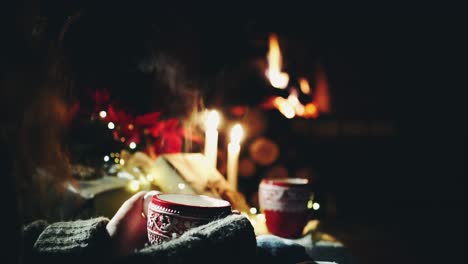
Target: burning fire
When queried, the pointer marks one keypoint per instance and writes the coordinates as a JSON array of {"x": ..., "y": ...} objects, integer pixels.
[
  {"x": 277, "y": 78},
  {"x": 310, "y": 111},
  {"x": 295, "y": 103},
  {"x": 322, "y": 93},
  {"x": 291, "y": 106},
  {"x": 284, "y": 107},
  {"x": 304, "y": 85}
]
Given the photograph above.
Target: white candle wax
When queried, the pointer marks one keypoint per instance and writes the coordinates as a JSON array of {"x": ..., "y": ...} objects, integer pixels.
[
  {"x": 211, "y": 146},
  {"x": 211, "y": 137},
  {"x": 233, "y": 164},
  {"x": 233, "y": 155}
]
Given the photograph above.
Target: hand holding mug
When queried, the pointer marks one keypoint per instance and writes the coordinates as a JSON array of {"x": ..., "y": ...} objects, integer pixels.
[{"x": 127, "y": 229}]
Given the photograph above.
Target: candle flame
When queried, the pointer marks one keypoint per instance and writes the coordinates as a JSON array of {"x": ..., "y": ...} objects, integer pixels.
[
  {"x": 304, "y": 85},
  {"x": 236, "y": 134},
  {"x": 212, "y": 120},
  {"x": 277, "y": 78}
]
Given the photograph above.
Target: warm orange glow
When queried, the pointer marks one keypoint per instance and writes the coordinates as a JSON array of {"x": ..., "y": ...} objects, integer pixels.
[
  {"x": 284, "y": 107},
  {"x": 130, "y": 126},
  {"x": 322, "y": 93},
  {"x": 274, "y": 54},
  {"x": 238, "y": 110},
  {"x": 304, "y": 85},
  {"x": 278, "y": 101},
  {"x": 277, "y": 78},
  {"x": 310, "y": 110},
  {"x": 295, "y": 103}
]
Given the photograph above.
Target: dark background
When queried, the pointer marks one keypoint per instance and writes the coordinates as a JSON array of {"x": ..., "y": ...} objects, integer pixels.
[{"x": 399, "y": 198}]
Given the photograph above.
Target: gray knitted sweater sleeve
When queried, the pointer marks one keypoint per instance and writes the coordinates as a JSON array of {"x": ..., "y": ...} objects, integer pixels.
[
  {"x": 75, "y": 238},
  {"x": 228, "y": 240}
]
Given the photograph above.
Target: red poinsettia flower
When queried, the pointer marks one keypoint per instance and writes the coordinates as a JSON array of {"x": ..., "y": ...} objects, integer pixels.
[
  {"x": 118, "y": 117},
  {"x": 157, "y": 136},
  {"x": 169, "y": 136},
  {"x": 147, "y": 120},
  {"x": 171, "y": 126},
  {"x": 169, "y": 143},
  {"x": 133, "y": 137},
  {"x": 125, "y": 130}
]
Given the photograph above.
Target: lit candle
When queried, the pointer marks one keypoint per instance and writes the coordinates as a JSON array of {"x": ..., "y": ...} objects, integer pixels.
[
  {"x": 211, "y": 137},
  {"x": 233, "y": 155}
]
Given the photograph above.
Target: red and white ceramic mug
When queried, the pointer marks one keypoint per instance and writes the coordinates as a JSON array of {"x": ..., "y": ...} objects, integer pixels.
[
  {"x": 284, "y": 203},
  {"x": 170, "y": 215}
]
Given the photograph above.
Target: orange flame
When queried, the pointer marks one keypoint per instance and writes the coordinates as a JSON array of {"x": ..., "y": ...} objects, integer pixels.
[
  {"x": 277, "y": 78},
  {"x": 295, "y": 103},
  {"x": 304, "y": 85},
  {"x": 310, "y": 111},
  {"x": 291, "y": 106},
  {"x": 284, "y": 107},
  {"x": 322, "y": 93}
]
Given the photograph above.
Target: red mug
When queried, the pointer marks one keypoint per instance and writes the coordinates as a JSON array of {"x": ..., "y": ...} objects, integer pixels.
[
  {"x": 284, "y": 203},
  {"x": 170, "y": 215}
]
